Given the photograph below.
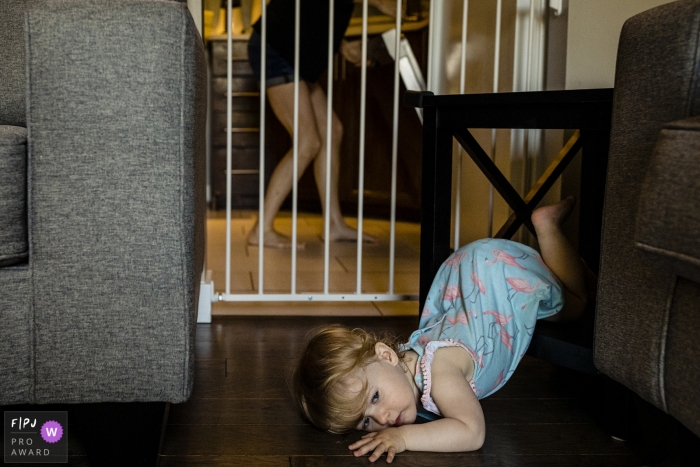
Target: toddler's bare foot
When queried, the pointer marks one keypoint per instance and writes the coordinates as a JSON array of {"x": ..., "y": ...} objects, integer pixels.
[
  {"x": 345, "y": 233},
  {"x": 554, "y": 215},
  {"x": 272, "y": 239}
]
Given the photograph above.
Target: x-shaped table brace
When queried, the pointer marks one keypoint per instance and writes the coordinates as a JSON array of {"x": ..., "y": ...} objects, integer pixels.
[{"x": 522, "y": 208}]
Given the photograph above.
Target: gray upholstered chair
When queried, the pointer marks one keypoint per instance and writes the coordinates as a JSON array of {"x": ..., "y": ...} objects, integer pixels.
[
  {"x": 102, "y": 121},
  {"x": 647, "y": 332}
]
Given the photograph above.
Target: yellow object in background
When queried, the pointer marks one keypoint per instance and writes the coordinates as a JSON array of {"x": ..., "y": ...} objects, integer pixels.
[
  {"x": 214, "y": 18},
  {"x": 208, "y": 21},
  {"x": 242, "y": 17}
]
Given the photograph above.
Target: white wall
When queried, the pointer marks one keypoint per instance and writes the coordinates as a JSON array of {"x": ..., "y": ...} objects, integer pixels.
[
  {"x": 195, "y": 7},
  {"x": 594, "y": 32}
]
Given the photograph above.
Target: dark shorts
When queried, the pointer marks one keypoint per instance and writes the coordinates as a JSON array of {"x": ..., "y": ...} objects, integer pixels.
[{"x": 277, "y": 69}]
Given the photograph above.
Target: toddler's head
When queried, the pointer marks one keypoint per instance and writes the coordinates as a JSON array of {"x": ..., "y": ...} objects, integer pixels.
[{"x": 323, "y": 373}]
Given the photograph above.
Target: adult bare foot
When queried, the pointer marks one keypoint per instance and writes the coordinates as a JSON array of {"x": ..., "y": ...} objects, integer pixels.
[
  {"x": 272, "y": 239},
  {"x": 553, "y": 215},
  {"x": 345, "y": 233}
]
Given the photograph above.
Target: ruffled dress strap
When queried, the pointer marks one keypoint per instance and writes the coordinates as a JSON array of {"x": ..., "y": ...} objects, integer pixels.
[{"x": 424, "y": 373}]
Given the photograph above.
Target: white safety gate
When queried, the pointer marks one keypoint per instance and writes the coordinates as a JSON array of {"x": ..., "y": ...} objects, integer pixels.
[{"x": 530, "y": 19}]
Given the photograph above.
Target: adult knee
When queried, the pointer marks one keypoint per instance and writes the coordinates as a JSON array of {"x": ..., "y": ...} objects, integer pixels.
[{"x": 309, "y": 146}]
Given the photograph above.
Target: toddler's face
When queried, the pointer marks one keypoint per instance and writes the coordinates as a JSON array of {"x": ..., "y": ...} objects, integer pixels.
[{"x": 390, "y": 399}]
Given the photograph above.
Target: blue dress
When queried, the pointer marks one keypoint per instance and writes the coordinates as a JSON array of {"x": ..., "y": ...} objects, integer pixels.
[{"x": 486, "y": 298}]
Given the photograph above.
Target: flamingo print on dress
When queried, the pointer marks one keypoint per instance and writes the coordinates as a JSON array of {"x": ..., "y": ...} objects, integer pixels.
[
  {"x": 502, "y": 320},
  {"x": 478, "y": 287},
  {"x": 455, "y": 260},
  {"x": 502, "y": 256},
  {"x": 461, "y": 318},
  {"x": 478, "y": 283},
  {"x": 521, "y": 285},
  {"x": 451, "y": 293}
]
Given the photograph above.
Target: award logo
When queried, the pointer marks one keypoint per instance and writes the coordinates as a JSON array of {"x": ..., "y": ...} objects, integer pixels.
[{"x": 36, "y": 437}]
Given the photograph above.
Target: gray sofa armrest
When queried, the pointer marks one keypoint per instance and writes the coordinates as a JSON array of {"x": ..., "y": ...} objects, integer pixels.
[
  {"x": 668, "y": 220},
  {"x": 116, "y": 120},
  {"x": 646, "y": 319}
]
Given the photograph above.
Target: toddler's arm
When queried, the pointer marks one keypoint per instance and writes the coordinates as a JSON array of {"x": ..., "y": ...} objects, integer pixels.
[{"x": 461, "y": 429}]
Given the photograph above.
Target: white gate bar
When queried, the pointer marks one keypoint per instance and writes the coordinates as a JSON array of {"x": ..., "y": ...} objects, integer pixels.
[
  {"x": 496, "y": 63},
  {"x": 295, "y": 145},
  {"x": 261, "y": 182},
  {"x": 395, "y": 145},
  {"x": 311, "y": 297},
  {"x": 229, "y": 133},
  {"x": 363, "y": 111},
  {"x": 460, "y": 151},
  {"x": 497, "y": 46},
  {"x": 329, "y": 134},
  {"x": 528, "y": 55},
  {"x": 528, "y": 87}
]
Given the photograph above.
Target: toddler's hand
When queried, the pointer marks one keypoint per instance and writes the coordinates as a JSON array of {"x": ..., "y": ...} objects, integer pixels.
[{"x": 389, "y": 441}]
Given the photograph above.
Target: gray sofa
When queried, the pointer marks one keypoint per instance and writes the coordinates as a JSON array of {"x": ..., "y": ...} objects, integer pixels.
[
  {"x": 648, "y": 307},
  {"x": 102, "y": 166}
]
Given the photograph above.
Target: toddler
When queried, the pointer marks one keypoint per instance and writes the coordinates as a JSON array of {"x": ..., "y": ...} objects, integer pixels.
[{"x": 476, "y": 325}]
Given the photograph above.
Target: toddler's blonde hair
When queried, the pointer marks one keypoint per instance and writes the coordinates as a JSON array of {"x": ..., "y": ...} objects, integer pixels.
[{"x": 321, "y": 376}]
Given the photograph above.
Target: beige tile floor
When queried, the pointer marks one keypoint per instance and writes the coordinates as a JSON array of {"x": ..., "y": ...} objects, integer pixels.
[{"x": 343, "y": 266}]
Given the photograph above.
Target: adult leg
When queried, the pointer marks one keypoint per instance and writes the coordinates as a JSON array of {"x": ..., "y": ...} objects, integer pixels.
[
  {"x": 282, "y": 102},
  {"x": 339, "y": 229},
  {"x": 561, "y": 258}
]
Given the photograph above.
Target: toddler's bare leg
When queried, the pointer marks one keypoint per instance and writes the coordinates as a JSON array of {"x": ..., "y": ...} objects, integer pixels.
[{"x": 561, "y": 257}]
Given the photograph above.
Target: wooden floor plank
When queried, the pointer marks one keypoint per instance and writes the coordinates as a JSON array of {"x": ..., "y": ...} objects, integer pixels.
[
  {"x": 226, "y": 440},
  {"x": 223, "y": 461},
  {"x": 73, "y": 461},
  {"x": 243, "y": 380},
  {"x": 535, "y": 410},
  {"x": 232, "y": 335},
  {"x": 470, "y": 460},
  {"x": 235, "y": 411},
  {"x": 281, "y": 411},
  {"x": 530, "y": 439}
]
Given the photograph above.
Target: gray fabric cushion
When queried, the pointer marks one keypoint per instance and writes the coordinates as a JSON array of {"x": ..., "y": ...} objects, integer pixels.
[
  {"x": 668, "y": 223},
  {"x": 681, "y": 383},
  {"x": 13, "y": 106},
  {"x": 13, "y": 195},
  {"x": 115, "y": 111},
  {"x": 656, "y": 83},
  {"x": 16, "y": 342}
]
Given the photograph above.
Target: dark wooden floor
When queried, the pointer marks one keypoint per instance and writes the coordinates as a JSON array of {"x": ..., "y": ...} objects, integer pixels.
[{"x": 241, "y": 414}]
